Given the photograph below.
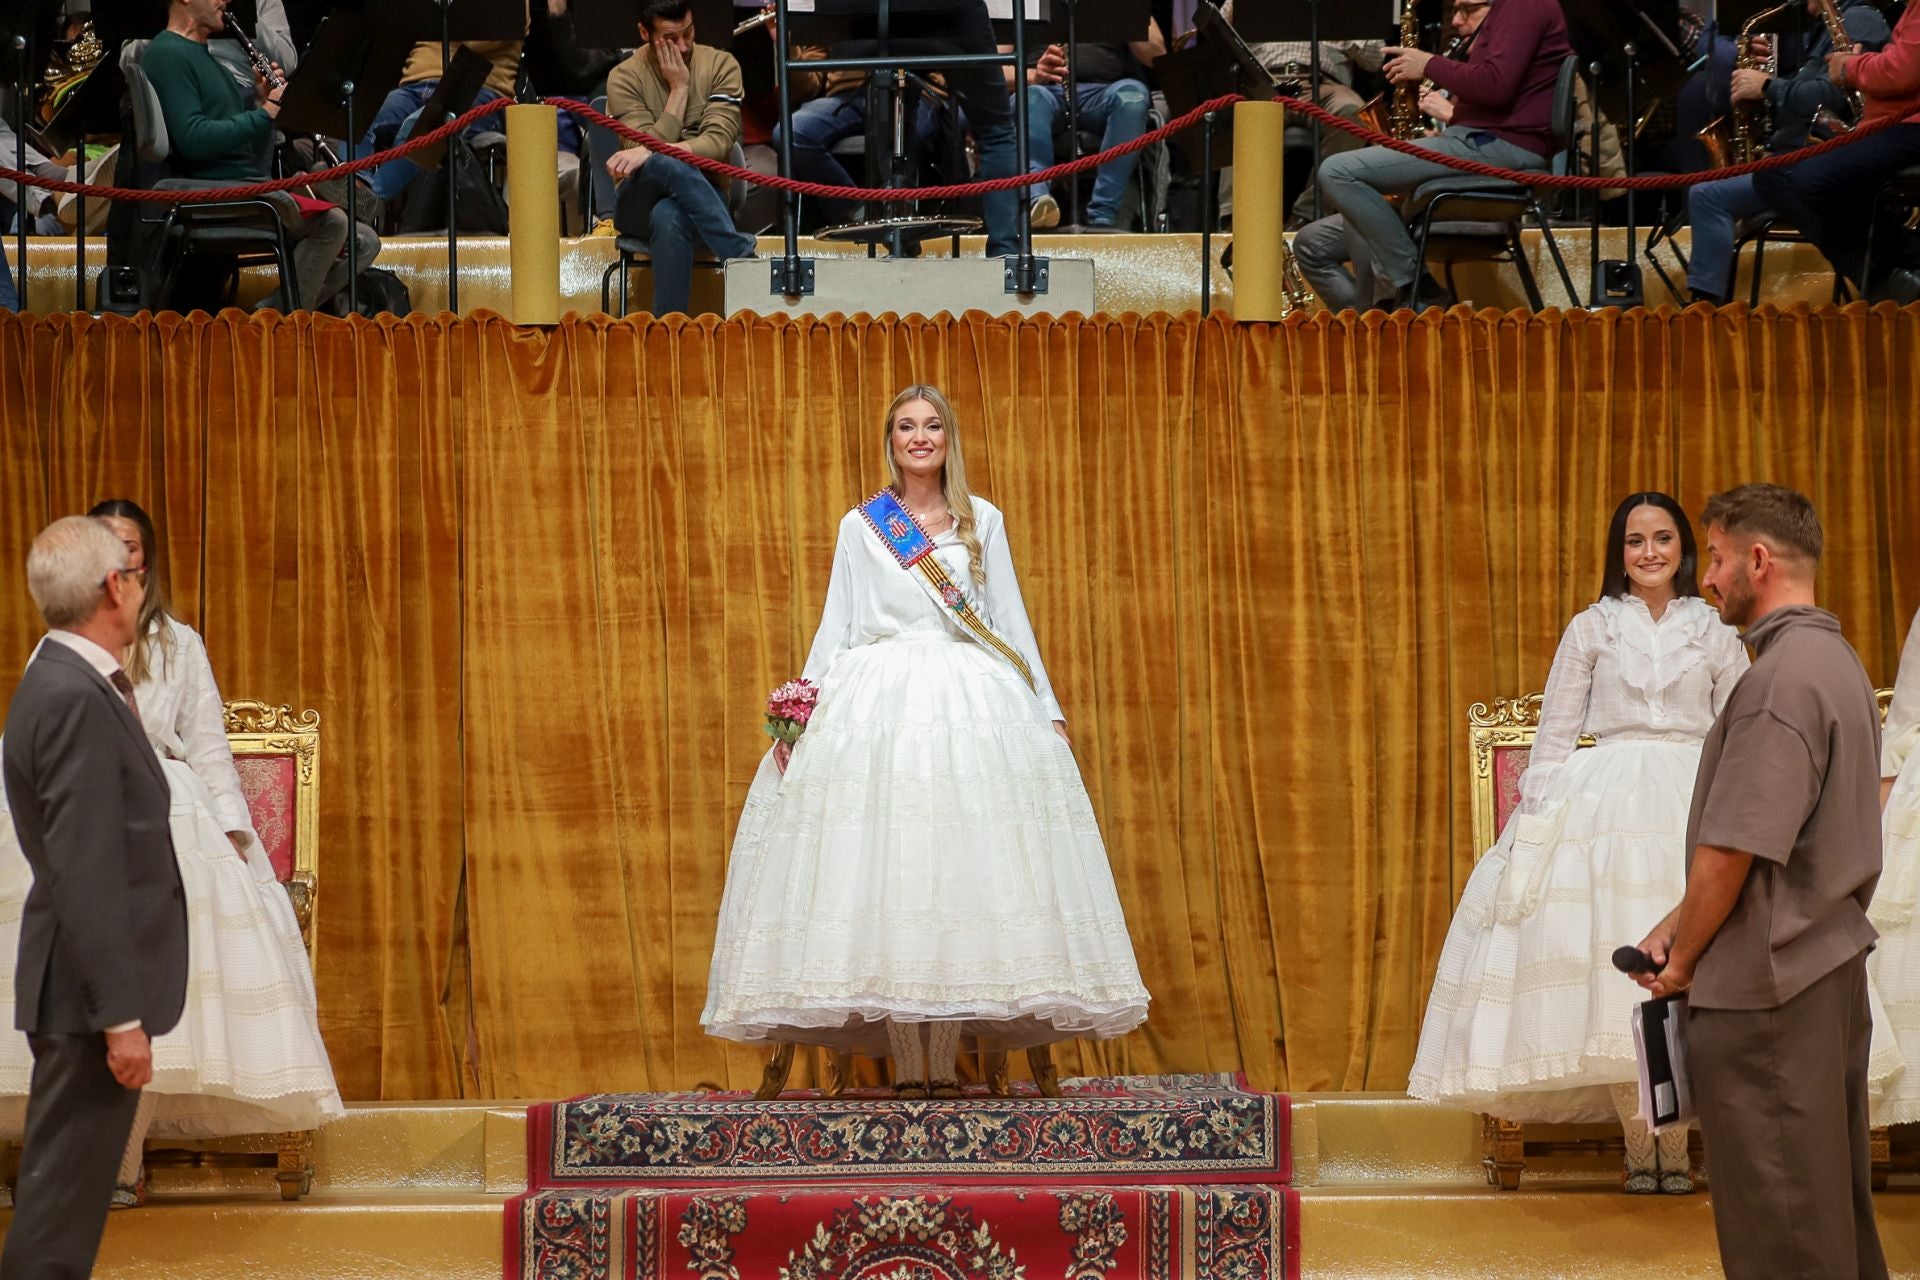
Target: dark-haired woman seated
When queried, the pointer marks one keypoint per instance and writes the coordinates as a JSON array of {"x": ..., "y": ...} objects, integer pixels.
[{"x": 1528, "y": 1020}]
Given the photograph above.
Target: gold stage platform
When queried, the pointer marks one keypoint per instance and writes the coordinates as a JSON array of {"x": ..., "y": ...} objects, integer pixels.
[
  {"x": 1389, "y": 1188},
  {"x": 1133, "y": 273}
]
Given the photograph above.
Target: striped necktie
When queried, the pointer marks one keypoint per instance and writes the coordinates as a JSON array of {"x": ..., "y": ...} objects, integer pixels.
[{"x": 119, "y": 681}]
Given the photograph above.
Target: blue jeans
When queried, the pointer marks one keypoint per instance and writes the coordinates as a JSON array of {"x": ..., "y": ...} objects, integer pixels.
[
  {"x": 1119, "y": 110},
  {"x": 667, "y": 203},
  {"x": 823, "y": 124},
  {"x": 9, "y": 297},
  {"x": 400, "y": 113},
  {"x": 1831, "y": 198},
  {"x": 1357, "y": 183},
  {"x": 983, "y": 95},
  {"x": 1714, "y": 209}
]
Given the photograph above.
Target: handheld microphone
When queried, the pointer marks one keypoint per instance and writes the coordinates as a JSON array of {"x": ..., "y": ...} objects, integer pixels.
[{"x": 1632, "y": 960}]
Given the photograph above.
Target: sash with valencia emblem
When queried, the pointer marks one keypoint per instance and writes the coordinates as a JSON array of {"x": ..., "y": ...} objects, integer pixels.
[{"x": 895, "y": 526}]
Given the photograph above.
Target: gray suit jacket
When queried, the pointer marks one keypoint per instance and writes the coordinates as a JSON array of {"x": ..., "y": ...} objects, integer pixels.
[{"x": 103, "y": 937}]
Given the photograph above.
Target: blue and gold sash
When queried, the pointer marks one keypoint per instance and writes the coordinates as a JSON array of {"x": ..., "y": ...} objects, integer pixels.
[{"x": 895, "y": 526}]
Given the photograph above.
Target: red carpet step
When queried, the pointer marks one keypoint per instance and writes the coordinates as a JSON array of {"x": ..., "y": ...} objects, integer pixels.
[
  {"x": 1125, "y": 1178},
  {"x": 1136, "y": 1129},
  {"x": 923, "y": 1233}
]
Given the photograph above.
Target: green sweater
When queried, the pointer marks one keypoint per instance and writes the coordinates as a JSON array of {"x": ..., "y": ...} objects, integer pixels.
[{"x": 212, "y": 131}]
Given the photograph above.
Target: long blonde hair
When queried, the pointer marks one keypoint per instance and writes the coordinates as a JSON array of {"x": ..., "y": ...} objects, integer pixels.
[{"x": 953, "y": 476}]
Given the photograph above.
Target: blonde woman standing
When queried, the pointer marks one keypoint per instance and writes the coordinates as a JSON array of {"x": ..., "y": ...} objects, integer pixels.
[{"x": 925, "y": 863}]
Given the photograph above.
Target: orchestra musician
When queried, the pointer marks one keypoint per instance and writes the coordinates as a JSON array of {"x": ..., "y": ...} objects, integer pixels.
[
  {"x": 1502, "y": 97},
  {"x": 1834, "y": 198}
]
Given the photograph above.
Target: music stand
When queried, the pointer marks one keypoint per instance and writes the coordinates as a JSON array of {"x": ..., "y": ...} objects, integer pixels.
[
  {"x": 244, "y": 12},
  {"x": 1305, "y": 21},
  {"x": 466, "y": 21},
  {"x": 615, "y": 24},
  {"x": 1200, "y": 74},
  {"x": 350, "y": 56},
  {"x": 1644, "y": 36}
]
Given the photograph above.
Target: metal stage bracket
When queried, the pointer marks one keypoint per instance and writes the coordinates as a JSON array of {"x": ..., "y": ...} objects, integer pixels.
[
  {"x": 1027, "y": 274},
  {"x": 909, "y": 286},
  {"x": 792, "y": 278}
]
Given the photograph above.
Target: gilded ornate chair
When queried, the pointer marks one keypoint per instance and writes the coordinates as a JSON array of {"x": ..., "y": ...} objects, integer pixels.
[
  {"x": 1500, "y": 742},
  {"x": 277, "y": 754}
]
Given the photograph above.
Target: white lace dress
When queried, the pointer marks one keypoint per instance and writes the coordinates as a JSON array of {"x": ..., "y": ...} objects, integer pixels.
[
  {"x": 1894, "y": 964},
  {"x": 246, "y": 1056},
  {"x": 1528, "y": 1019},
  {"x": 930, "y": 853}
]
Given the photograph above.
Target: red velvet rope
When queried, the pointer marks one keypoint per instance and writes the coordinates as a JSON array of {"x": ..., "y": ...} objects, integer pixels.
[{"x": 1653, "y": 182}]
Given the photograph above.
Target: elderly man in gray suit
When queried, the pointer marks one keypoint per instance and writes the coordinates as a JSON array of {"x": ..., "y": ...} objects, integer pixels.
[{"x": 103, "y": 936}]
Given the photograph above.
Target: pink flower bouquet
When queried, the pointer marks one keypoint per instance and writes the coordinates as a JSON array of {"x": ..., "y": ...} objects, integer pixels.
[{"x": 789, "y": 708}]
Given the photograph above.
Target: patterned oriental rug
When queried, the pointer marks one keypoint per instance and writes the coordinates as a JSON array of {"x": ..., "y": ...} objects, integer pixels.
[{"x": 1130, "y": 1178}]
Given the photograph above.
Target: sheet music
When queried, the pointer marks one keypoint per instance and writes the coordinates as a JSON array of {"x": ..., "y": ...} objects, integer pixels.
[{"x": 1666, "y": 1090}]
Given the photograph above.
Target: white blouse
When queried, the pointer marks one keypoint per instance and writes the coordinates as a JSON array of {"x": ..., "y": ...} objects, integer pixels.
[
  {"x": 1901, "y": 731},
  {"x": 871, "y": 597},
  {"x": 181, "y": 710},
  {"x": 1619, "y": 674}
]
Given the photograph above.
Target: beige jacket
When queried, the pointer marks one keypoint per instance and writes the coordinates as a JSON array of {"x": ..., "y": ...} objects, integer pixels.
[
  {"x": 424, "y": 63},
  {"x": 710, "y": 125}
]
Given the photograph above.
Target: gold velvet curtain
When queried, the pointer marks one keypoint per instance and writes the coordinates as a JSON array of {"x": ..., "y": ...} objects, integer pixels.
[{"x": 538, "y": 582}]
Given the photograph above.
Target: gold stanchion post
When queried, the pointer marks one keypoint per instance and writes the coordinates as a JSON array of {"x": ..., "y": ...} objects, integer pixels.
[
  {"x": 533, "y": 196},
  {"x": 1259, "y": 211}
]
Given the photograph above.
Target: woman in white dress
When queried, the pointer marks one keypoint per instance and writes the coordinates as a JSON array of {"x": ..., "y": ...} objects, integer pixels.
[
  {"x": 246, "y": 1056},
  {"x": 1894, "y": 964},
  {"x": 925, "y": 863},
  {"x": 1528, "y": 1019}
]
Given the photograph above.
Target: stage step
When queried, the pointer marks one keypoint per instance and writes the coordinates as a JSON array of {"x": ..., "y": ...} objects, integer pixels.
[
  {"x": 1587, "y": 1233},
  {"x": 1389, "y": 1187},
  {"x": 409, "y": 1146},
  {"x": 437, "y": 1235}
]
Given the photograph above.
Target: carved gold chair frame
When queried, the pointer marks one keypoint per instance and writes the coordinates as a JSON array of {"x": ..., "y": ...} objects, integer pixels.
[
  {"x": 270, "y": 737},
  {"x": 1496, "y": 737}
]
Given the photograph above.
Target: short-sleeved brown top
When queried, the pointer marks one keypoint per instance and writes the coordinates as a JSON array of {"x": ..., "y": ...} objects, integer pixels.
[{"x": 1790, "y": 774}]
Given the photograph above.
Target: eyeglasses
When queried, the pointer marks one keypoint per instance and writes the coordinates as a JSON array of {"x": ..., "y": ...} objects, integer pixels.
[
  {"x": 139, "y": 573},
  {"x": 1466, "y": 7}
]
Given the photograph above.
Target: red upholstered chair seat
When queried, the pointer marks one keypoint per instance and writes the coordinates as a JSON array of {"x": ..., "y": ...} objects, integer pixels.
[
  {"x": 268, "y": 784},
  {"x": 1508, "y": 764}
]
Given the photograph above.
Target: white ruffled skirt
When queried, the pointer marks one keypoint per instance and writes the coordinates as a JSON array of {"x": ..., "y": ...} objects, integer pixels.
[
  {"x": 1528, "y": 1019},
  {"x": 246, "y": 1056},
  {"x": 1894, "y": 964},
  {"x": 930, "y": 855}
]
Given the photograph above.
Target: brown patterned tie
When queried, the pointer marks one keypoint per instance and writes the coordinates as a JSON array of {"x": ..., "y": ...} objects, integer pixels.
[{"x": 119, "y": 681}]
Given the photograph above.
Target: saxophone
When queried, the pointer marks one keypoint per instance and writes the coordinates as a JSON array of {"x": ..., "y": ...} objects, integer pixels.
[
  {"x": 1840, "y": 42},
  {"x": 1403, "y": 121},
  {"x": 1736, "y": 138}
]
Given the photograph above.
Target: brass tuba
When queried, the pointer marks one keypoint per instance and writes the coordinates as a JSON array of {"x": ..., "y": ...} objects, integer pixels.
[
  {"x": 1736, "y": 138},
  {"x": 68, "y": 69}
]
